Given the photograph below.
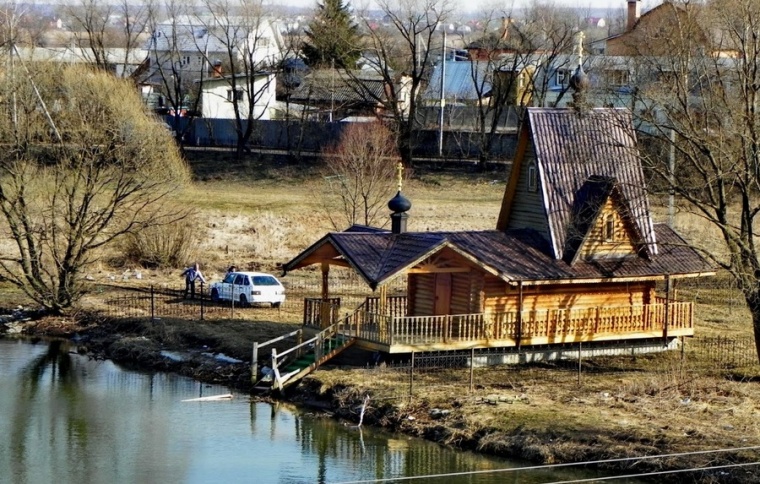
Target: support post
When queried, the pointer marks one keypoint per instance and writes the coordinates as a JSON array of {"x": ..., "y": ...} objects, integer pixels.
[
  {"x": 580, "y": 361},
  {"x": 152, "y": 304},
  {"x": 667, "y": 311},
  {"x": 324, "y": 313},
  {"x": 518, "y": 336},
  {"x": 255, "y": 362}
]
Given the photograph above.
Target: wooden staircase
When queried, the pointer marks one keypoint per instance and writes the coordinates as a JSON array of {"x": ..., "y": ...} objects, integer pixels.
[{"x": 295, "y": 363}]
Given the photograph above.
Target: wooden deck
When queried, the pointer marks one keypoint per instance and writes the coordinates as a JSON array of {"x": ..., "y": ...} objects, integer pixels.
[{"x": 399, "y": 334}]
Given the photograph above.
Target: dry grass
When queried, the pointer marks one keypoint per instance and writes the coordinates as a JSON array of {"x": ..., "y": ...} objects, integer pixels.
[{"x": 651, "y": 405}]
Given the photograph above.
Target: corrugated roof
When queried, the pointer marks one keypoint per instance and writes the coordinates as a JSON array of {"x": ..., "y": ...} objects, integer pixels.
[
  {"x": 321, "y": 86},
  {"x": 514, "y": 255},
  {"x": 462, "y": 81},
  {"x": 570, "y": 147}
]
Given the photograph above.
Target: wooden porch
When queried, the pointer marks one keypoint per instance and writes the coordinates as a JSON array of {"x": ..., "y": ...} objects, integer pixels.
[{"x": 393, "y": 332}]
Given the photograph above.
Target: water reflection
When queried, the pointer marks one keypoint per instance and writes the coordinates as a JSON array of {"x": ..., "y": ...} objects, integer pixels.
[{"x": 65, "y": 418}]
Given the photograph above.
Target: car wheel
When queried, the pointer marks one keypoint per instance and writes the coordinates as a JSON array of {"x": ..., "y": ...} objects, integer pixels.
[
  {"x": 215, "y": 295},
  {"x": 243, "y": 301},
  {"x": 276, "y": 304}
]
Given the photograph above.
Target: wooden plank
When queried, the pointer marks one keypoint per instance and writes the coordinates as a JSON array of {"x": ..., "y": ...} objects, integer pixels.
[{"x": 437, "y": 270}]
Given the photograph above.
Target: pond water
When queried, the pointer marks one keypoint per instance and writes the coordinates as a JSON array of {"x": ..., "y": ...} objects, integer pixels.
[{"x": 67, "y": 419}]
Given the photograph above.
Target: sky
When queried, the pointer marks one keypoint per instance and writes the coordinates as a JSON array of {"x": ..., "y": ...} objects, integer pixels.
[{"x": 504, "y": 5}]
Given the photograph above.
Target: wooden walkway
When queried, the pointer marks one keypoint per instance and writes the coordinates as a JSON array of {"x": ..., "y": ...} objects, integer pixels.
[{"x": 293, "y": 364}]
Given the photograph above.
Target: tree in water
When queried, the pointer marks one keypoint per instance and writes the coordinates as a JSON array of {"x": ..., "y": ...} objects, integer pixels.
[{"x": 332, "y": 38}]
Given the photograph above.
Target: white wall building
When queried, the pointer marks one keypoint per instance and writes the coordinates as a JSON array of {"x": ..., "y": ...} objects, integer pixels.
[{"x": 218, "y": 97}]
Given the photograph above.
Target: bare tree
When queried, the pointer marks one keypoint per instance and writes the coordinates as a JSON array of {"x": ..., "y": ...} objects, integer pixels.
[
  {"x": 176, "y": 65},
  {"x": 552, "y": 31},
  {"x": 702, "y": 98},
  {"x": 83, "y": 165},
  {"x": 361, "y": 174},
  {"x": 98, "y": 26},
  {"x": 252, "y": 51},
  {"x": 399, "y": 51}
]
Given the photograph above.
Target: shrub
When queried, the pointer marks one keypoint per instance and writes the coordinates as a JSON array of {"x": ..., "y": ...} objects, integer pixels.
[{"x": 168, "y": 245}]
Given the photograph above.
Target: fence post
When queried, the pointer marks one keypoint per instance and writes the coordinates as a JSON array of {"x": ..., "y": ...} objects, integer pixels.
[
  {"x": 580, "y": 361},
  {"x": 232, "y": 304},
  {"x": 202, "y": 293},
  {"x": 472, "y": 369},
  {"x": 411, "y": 379},
  {"x": 152, "y": 304},
  {"x": 255, "y": 362},
  {"x": 299, "y": 340}
]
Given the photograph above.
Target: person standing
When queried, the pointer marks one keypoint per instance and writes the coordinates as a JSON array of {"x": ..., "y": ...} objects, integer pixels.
[{"x": 192, "y": 274}]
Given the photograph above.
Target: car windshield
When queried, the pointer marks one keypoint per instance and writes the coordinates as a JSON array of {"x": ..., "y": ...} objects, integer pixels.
[
  {"x": 265, "y": 281},
  {"x": 229, "y": 278}
]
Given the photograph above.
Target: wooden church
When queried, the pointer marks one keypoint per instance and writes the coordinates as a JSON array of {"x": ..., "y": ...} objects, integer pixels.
[{"x": 575, "y": 256}]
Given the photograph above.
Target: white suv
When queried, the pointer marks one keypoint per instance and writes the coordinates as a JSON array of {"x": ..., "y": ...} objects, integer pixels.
[{"x": 249, "y": 288}]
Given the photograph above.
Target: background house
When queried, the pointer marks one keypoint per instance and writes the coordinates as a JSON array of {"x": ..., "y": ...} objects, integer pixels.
[
  {"x": 191, "y": 45},
  {"x": 218, "y": 96}
]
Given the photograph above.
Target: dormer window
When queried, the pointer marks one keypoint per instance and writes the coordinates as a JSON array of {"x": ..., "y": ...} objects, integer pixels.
[
  {"x": 609, "y": 228},
  {"x": 532, "y": 177}
]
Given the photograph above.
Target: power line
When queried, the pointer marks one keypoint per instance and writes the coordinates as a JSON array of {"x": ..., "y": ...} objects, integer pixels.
[
  {"x": 570, "y": 464},
  {"x": 657, "y": 473}
]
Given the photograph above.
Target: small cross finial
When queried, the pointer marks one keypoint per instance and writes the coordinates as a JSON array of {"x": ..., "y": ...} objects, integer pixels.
[
  {"x": 399, "y": 174},
  {"x": 581, "y": 35}
]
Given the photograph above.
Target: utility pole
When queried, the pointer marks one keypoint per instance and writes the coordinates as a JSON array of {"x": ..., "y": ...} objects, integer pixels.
[
  {"x": 332, "y": 88},
  {"x": 443, "y": 95},
  {"x": 672, "y": 180}
]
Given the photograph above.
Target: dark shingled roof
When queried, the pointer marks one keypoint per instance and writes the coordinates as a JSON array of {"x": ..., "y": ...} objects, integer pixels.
[
  {"x": 514, "y": 255},
  {"x": 570, "y": 148}
]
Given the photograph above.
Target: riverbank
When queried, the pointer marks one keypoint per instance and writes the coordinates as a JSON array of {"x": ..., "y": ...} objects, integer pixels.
[{"x": 539, "y": 413}]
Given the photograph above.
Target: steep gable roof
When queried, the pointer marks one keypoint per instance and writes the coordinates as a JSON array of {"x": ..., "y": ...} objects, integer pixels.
[
  {"x": 588, "y": 207},
  {"x": 570, "y": 148}
]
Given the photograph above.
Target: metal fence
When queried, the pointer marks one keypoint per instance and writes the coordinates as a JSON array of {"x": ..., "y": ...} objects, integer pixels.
[
  {"x": 166, "y": 301},
  {"x": 463, "y": 372}
]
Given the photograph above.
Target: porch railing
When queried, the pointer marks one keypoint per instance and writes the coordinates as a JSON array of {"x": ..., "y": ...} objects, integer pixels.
[
  {"x": 507, "y": 328},
  {"x": 320, "y": 313}
]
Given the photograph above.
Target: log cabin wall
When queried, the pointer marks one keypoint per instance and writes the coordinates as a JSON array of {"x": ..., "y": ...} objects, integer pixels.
[
  {"x": 467, "y": 294},
  {"x": 500, "y": 297},
  {"x": 619, "y": 242},
  {"x": 422, "y": 301},
  {"x": 461, "y": 296}
]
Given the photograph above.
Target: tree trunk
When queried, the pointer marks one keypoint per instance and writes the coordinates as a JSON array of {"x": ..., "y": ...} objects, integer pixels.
[{"x": 753, "y": 303}]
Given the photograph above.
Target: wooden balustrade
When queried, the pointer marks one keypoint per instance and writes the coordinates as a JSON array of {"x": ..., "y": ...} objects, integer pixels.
[
  {"x": 395, "y": 305},
  {"x": 547, "y": 325},
  {"x": 315, "y": 312}
]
